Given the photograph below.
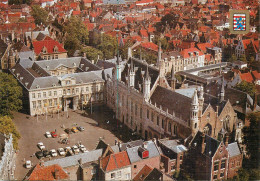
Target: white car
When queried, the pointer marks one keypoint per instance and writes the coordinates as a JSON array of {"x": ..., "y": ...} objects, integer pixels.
[
  {"x": 41, "y": 146},
  {"x": 75, "y": 149},
  {"x": 48, "y": 134},
  {"x": 28, "y": 164},
  {"x": 68, "y": 149},
  {"x": 61, "y": 151},
  {"x": 53, "y": 153},
  {"x": 83, "y": 148}
]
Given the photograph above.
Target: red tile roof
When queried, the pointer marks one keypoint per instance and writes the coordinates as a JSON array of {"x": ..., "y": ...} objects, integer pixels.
[
  {"x": 49, "y": 44},
  {"x": 115, "y": 161},
  {"x": 203, "y": 46},
  {"x": 256, "y": 75},
  {"x": 150, "y": 45},
  {"x": 143, "y": 173},
  {"x": 144, "y": 33},
  {"x": 185, "y": 52},
  {"x": 246, "y": 77},
  {"x": 48, "y": 173},
  {"x": 246, "y": 43}
]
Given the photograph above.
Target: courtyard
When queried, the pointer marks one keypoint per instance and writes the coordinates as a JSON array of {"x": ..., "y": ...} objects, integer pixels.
[{"x": 32, "y": 129}]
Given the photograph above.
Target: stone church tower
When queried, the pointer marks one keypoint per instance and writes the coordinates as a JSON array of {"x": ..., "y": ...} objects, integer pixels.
[{"x": 194, "y": 119}]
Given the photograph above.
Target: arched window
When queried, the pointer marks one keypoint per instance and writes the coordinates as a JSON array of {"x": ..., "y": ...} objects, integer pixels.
[{"x": 226, "y": 122}]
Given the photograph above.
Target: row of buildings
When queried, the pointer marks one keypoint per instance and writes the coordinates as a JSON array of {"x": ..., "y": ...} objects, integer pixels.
[{"x": 146, "y": 160}]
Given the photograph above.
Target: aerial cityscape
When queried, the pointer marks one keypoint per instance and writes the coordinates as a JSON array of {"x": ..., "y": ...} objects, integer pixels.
[{"x": 129, "y": 90}]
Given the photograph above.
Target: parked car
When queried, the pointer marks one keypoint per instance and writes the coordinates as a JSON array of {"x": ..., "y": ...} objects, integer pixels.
[
  {"x": 75, "y": 149},
  {"x": 28, "y": 164},
  {"x": 54, "y": 134},
  {"x": 48, "y": 134},
  {"x": 81, "y": 128},
  {"x": 65, "y": 141},
  {"x": 74, "y": 130},
  {"x": 39, "y": 154},
  {"x": 68, "y": 149},
  {"x": 68, "y": 131},
  {"x": 61, "y": 151},
  {"x": 46, "y": 153},
  {"x": 53, "y": 153},
  {"x": 83, "y": 148},
  {"x": 41, "y": 146}
]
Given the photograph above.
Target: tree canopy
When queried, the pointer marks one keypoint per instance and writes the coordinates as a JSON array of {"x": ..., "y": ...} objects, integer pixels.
[
  {"x": 19, "y": 2},
  {"x": 7, "y": 126},
  {"x": 108, "y": 46},
  {"x": 76, "y": 35},
  {"x": 92, "y": 53},
  {"x": 10, "y": 94},
  {"x": 39, "y": 14},
  {"x": 247, "y": 87}
]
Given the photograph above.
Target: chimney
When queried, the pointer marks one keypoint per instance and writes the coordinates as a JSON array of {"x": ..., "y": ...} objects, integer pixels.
[
  {"x": 116, "y": 142},
  {"x": 145, "y": 145},
  {"x": 226, "y": 141},
  {"x": 80, "y": 161},
  {"x": 56, "y": 174},
  {"x": 203, "y": 143}
]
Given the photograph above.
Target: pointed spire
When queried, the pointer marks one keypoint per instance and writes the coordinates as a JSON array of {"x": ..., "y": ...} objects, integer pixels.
[
  {"x": 195, "y": 100},
  {"x": 159, "y": 53},
  {"x": 132, "y": 66},
  {"x": 147, "y": 76},
  {"x": 222, "y": 91},
  {"x": 173, "y": 72}
]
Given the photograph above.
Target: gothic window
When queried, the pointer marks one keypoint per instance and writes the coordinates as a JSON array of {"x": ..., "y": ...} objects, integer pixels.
[
  {"x": 158, "y": 120},
  {"x": 147, "y": 114},
  {"x": 216, "y": 166},
  {"x": 162, "y": 123},
  {"x": 169, "y": 127},
  {"x": 223, "y": 163},
  {"x": 226, "y": 122},
  {"x": 207, "y": 129},
  {"x": 195, "y": 125}
]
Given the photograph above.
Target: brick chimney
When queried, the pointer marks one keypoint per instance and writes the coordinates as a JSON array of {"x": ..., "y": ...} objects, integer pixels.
[
  {"x": 56, "y": 174},
  {"x": 203, "y": 143}
]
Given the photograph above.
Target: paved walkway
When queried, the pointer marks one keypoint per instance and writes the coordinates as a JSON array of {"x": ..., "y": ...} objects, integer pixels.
[{"x": 32, "y": 132}]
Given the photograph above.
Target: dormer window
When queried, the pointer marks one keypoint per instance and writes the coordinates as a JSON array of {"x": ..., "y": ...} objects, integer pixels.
[
  {"x": 53, "y": 85},
  {"x": 55, "y": 49},
  {"x": 74, "y": 64},
  {"x": 68, "y": 82},
  {"x": 37, "y": 86},
  {"x": 44, "y": 50}
]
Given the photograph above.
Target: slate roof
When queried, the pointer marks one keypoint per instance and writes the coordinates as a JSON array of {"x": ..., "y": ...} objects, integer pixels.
[
  {"x": 131, "y": 144},
  {"x": 74, "y": 159},
  {"x": 133, "y": 152},
  {"x": 174, "y": 146},
  {"x": 172, "y": 101},
  {"x": 35, "y": 73},
  {"x": 233, "y": 149},
  {"x": 155, "y": 174},
  {"x": 211, "y": 145},
  {"x": 140, "y": 71}
]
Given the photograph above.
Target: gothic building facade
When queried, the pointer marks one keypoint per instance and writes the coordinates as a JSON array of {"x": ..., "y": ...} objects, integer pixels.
[{"x": 145, "y": 101}]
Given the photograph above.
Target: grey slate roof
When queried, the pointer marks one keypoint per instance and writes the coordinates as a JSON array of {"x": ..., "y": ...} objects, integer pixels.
[
  {"x": 113, "y": 2},
  {"x": 233, "y": 149},
  {"x": 74, "y": 160},
  {"x": 133, "y": 152},
  {"x": 174, "y": 146}
]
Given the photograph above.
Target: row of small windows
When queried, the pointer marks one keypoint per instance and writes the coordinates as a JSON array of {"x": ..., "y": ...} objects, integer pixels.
[{"x": 66, "y": 91}]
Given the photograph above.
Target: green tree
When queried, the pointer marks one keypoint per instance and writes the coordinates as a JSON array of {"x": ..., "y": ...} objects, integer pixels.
[
  {"x": 92, "y": 53},
  {"x": 76, "y": 29},
  {"x": 71, "y": 45},
  {"x": 233, "y": 58},
  {"x": 247, "y": 87},
  {"x": 7, "y": 126},
  {"x": 149, "y": 57},
  {"x": 19, "y": 2},
  {"x": 10, "y": 94},
  {"x": 251, "y": 138},
  {"x": 251, "y": 59},
  {"x": 243, "y": 58},
  {"x": 39, "y": 14},
  {"x": 76, "y": 35},
  {"x": 108, "y": 46}
]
